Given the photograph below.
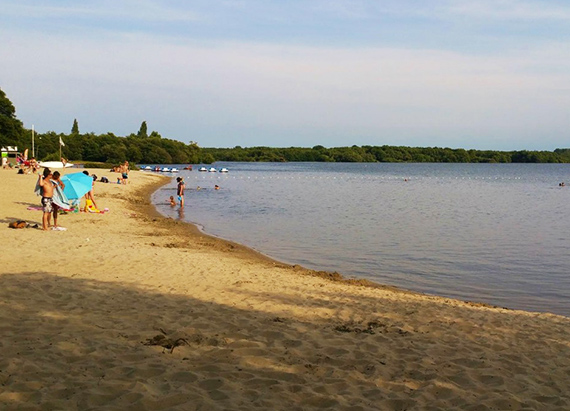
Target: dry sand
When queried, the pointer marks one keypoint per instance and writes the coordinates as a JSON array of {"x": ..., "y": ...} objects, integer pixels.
[{"x": 79, "y": 308}]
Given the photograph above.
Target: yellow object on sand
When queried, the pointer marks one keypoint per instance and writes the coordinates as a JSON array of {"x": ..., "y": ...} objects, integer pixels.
[{"x": 90, "y": 207}]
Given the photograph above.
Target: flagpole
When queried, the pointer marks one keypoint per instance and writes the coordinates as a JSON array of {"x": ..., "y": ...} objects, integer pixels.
[{"x": 33, "y": 150}]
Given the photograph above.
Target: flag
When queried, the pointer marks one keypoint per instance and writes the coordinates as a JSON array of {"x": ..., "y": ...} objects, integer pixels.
[{"x": 61, "y": 142}]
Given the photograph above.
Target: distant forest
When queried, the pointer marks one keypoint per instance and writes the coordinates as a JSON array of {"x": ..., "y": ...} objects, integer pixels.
[
  {"x": 151, "y": 148},
  {"x": 137, "y": 148},
  {"x": 386, "y": 154}
]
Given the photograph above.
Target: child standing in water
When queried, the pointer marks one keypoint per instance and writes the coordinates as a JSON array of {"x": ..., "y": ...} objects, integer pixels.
[{"x": 180, "y": 191}]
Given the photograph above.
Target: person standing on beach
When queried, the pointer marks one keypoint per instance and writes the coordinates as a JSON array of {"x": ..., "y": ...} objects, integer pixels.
[
  {"x": 57, "y": 180},
  {"x": 124, "y": 169},
  {"x": 46, "y": 187},
  {"x": 180, "y": 191}
]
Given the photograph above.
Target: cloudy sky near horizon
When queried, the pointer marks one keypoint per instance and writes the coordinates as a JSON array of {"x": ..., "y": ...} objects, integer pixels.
[{"x": 488, "y": 74}]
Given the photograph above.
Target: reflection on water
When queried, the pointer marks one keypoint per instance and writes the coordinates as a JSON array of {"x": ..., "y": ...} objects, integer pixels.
[{"x": 485, "y": 232}]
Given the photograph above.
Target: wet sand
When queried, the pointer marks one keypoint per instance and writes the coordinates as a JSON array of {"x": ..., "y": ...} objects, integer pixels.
[{"x": 132, "y": 311}]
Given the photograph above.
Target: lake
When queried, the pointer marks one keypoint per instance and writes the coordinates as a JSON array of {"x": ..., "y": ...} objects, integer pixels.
[{"x": 494, "y": 233}]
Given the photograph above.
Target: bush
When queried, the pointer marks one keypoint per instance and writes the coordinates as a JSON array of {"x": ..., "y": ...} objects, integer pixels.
[{"x": 108, "y": 166}]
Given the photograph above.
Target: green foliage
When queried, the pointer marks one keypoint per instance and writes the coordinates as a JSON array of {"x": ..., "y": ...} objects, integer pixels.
[
  {"x": 52, "y": 157},
  {"x": 75, "y": 127},
  {"x": 108, "y": 149},
  {"x": 387, "y": 154},
  {"x": 143, "y": 130},
  {"x": 107, "y": 166},
  {"x": 11, "y": 129},
  {"x": 209, "y": 159},
  {"x": 564, "y": 153}
]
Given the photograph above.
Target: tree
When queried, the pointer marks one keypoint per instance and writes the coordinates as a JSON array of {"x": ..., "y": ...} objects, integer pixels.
[
  {"x": 134, "y": 154},
  {"x": 10, "y": 127},
  {"x": 75, "y": 128},
  {"x": 143, "y": 130},
  {"x": 207, "y": 158},
  {"x": 114, "y": 153}
]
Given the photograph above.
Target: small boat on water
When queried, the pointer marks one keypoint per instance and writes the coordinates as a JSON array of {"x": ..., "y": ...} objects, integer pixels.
[
  {"x": 188, "y": 168},
  {"x": 174, "y": 170},
  {"x": 165, "y": 170},
  {"x": 202, "y": 169},
  {"x": 156, "y": 169},
  {"x": 224, "y": 170},
  {"x": 212, "y": 170},
  {"x": 54, "y": 164},
  {"x": 147, "y": 168}
]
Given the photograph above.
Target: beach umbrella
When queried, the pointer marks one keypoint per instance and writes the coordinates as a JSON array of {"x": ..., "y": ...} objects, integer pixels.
[{"x": 76, "y": 185}]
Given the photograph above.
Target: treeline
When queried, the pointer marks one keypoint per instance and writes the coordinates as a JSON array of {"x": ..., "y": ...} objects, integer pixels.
[
  {"x": 109, "y": 148},
  {"x": 145, "y": 148},
  {"x": 137, "y": 148},
  {"x": 385, "y": 154}
]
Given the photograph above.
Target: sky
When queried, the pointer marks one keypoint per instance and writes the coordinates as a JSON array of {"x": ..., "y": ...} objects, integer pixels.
[{"x": 488, "y": 74}]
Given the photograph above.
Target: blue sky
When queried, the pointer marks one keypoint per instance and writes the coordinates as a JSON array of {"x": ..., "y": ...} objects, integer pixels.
[{"x": 490, "y": 74}]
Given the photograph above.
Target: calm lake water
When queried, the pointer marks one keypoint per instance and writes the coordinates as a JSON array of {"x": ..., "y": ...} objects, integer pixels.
[{"x": 494, "y": 233}]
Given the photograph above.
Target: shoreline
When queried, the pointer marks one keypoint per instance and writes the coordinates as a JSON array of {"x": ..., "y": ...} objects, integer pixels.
[
  {"x": 252, "y": 253},
  {"x": 130, "y": 310},
  {"x": 194, "y": 232}
]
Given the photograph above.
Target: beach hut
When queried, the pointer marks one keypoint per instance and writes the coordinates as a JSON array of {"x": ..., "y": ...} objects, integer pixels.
[{"x": 9, "y": 152}]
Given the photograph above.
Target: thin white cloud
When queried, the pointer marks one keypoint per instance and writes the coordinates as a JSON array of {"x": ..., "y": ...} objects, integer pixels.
[
  {"x": 509, "y": 10},
  {"x": 444, "y": 9},
  {"x": 126, "y": 10},
  {"x": 88, "y": 68},
  {"x": 228, "y": 87}
]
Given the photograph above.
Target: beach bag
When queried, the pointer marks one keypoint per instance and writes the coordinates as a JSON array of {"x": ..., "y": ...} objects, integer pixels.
[{"x": 18, "y": 224}]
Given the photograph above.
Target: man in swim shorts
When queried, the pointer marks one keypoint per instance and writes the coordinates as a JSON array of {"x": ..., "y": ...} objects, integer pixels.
[
  {"x": 124, "y": 169},
  {"x": 46, "y": 187}
]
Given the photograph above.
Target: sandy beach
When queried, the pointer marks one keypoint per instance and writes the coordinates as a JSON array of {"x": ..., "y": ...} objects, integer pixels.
[{"x": 128, "y": 310}]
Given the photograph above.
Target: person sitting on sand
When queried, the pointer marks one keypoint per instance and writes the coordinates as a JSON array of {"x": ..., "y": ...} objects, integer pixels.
[
  {"x": 90, "y": 204},
  {"x": 172, "y": 202},
  {"x": 34, "y": 166}
]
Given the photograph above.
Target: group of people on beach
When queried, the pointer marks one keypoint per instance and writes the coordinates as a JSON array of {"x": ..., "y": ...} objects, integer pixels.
[
  {"x": 26, "y": 166},
  {"x": 48, "y": 183},
  {"x": 123, "y": 169}
]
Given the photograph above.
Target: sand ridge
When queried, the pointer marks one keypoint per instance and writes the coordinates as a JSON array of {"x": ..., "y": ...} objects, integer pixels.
[{"x": 84, "y": 313}]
